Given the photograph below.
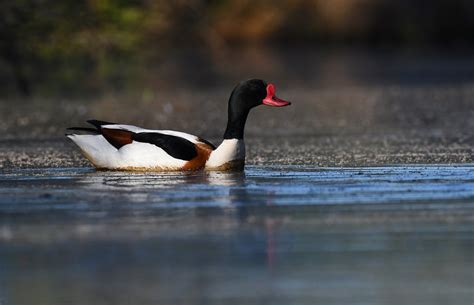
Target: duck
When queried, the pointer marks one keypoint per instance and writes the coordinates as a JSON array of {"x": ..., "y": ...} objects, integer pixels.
[{"x": 113, "y": 146}]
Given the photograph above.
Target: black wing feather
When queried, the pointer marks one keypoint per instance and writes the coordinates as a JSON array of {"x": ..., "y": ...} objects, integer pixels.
[
  {"x": 98, "y": 124},
  {"x": 207, "y": 142},
  {"x": 174, "y": 146}
]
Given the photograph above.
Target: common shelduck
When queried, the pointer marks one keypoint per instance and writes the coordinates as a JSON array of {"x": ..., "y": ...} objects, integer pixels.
[{"x": 126, "y": 147}]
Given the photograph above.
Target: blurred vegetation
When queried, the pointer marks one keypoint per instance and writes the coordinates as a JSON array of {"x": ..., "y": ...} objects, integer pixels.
[{"x": 84, "y": 47}]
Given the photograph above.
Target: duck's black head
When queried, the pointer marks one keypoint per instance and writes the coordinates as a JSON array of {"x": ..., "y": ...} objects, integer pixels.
[{"x": 245, "y": 96}]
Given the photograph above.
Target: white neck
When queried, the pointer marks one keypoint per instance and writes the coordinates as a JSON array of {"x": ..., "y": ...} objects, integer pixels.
[{"x": 229, "y": 150}]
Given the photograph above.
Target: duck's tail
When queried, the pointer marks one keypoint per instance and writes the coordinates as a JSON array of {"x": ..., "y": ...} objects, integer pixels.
[
  {"x": 81, "y": 130},
  {"x": 87, "y": 130},
  {"x": 94, "y": 147}
]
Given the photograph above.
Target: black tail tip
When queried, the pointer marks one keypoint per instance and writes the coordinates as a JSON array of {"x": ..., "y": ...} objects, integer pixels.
[{"x": 86, "y": 130}]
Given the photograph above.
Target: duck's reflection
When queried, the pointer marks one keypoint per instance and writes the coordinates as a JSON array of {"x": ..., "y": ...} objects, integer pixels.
[
  {"x": 139, "y": 180},
  {"x": 171, "y": 189},
  {"x": 230, "y": 197},
  {"x": 225, "y": 178}
]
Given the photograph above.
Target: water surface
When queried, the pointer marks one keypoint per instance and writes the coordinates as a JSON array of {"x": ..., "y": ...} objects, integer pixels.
[{"x": 272, "y": 235}]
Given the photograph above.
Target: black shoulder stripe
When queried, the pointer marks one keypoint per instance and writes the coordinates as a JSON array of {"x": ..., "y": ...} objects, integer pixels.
[
  {"x": 207, "y": 142},
  {"x": 174, "y": 146}
]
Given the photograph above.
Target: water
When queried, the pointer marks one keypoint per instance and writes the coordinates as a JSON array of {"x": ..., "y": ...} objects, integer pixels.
[{"x": 272, "y": 235}]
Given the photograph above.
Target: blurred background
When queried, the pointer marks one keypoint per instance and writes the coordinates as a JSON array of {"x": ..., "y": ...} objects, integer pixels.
[{"x": 71, "y": 48}]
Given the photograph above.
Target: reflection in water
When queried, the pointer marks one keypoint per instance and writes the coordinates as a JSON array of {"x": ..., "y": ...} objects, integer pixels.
[
  {"x": 229, "y": 189},
  {"x": 225, "y": 178},
  {"x": 269, "y": 235},
  {"x": 206, "y": 188}
]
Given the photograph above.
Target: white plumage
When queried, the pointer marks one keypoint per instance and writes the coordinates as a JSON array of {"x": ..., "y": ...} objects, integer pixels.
[
  {"x": 229, "y": 150},
  {"x": 138, "y": 156},
  {"x": 145, "y": 156}
]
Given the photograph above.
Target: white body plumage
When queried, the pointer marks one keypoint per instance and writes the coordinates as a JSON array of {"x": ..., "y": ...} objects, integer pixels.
[
  {"x": 230, "y": 150},
  {"x": 146, "y": 156}
]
